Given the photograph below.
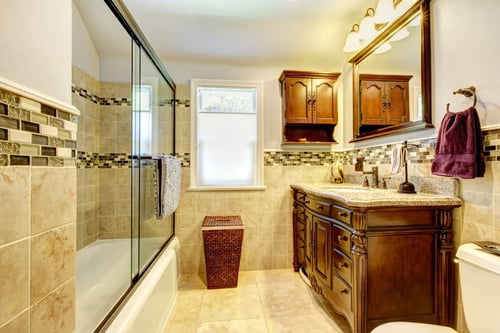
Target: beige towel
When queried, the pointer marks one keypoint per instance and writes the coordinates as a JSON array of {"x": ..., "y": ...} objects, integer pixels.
[{"x": 168, "y": 185}]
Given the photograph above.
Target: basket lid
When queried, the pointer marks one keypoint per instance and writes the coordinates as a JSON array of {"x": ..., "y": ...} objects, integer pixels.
[{"x": 222, "y": 221}]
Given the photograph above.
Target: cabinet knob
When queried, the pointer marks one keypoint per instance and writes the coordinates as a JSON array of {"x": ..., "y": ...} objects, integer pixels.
[
  {"x": 342, "y": 214},
  {"x": 345, "y": 291},
  {"x": 343, "y": 265},
  {"x": 342, "y": 238},
  {"x": 320, "y": 207},
  {"x": 307, "y": 202}
]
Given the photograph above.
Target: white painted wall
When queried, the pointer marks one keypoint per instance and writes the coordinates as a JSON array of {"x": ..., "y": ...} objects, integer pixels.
[
  {"x": 465, "y": 45},
  {"x": 35, "y": 49},
  {"x": 85, "y": 54}
]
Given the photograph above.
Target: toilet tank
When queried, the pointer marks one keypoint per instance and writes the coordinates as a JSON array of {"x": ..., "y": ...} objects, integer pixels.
[{"x": 480, "y": 285}]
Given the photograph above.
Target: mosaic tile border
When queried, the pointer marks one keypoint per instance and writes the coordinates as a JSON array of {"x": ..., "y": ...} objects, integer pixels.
[
  {"x": 35, "y": 134},
  {"x": 124, "y": 101},
  {"x": 86, "y": 160}
]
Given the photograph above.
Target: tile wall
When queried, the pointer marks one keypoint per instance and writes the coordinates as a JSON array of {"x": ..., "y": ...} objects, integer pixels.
[
  {"x": 103, "y": 159},
  {"x": 38, "y": 205},
  {"x": 267, "y": 214}
]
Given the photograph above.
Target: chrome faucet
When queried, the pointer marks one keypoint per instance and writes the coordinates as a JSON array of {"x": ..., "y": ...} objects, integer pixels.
[{"x": 374, "y": 174}]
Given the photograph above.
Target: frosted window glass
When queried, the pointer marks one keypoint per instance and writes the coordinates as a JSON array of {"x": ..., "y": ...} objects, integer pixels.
[
  {"x": 227, "y": 137},
  {"x": 142, "y": 122}
]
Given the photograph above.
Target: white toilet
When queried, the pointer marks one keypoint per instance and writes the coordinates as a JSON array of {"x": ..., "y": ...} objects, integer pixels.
[{"x": 480, "y": 284}]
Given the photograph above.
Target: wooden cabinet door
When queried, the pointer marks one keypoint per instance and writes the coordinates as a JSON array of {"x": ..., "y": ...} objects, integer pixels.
[
  {"x": 298, "y": 101},
  {"x": 398, "y": 95},
  {"x": 322, "y": 266},
  {"x": 324, "y": 101},
  {"x": 372, "y": 102}
]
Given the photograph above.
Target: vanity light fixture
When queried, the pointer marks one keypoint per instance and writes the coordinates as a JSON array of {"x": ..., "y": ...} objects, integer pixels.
[
  {"x": 375, "y": 21},
  {"x": 383, "y": 48},
  {"x": 384, "y": 12},
  {"x": 352, "y": 43},
  {"x": 367, "y": 29},
  {"x": 401, "y": 34}
]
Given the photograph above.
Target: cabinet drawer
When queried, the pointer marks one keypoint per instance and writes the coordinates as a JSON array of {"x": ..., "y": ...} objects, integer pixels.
[
  {"x": 342, "y": 239},
  {"x": 344, "y": 293},
  {"x": 320, "y": 207},
  {"x": 342, "y": 265},
  {"x": 342, "y": 214}
]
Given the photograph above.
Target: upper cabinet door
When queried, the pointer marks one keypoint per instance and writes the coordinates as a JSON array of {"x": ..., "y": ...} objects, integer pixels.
[
  {"x": 298, "y": 100},
  {"x": 384, "y": 99},
  {"x": 372, "y": 102},
  {"x": 398, "y": 102},
  {"x": 309, "y": 104},
  {"x": 324, "y": 101}
]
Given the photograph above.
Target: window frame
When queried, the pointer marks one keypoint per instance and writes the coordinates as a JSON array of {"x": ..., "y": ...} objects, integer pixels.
[{"x": 210, "y": 83}]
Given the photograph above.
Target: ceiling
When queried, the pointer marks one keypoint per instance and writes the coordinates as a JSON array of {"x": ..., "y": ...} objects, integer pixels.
[{"x": 234, "y": 32}]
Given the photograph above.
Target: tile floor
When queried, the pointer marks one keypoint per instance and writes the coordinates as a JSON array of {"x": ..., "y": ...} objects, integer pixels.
[{"x": 268, "y": 301}]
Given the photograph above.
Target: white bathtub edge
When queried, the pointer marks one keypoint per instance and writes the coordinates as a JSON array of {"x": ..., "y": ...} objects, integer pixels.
[{"x": 152, "y": 301}]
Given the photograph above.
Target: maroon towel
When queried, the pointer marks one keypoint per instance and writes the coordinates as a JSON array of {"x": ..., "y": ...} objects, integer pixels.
[{"x": 459, "y": 146}]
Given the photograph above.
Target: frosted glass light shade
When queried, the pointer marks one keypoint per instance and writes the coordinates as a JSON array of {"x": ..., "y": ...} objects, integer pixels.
[
  {"x": 367, "y": 29},
  {"x": 384, "y": 12},
  {"x": 352, "y": 43},
  {"x": 401, "y": 34},
  {"x": 383, "y": 48}
]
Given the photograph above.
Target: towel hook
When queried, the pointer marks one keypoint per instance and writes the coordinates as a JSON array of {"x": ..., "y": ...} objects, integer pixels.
[{"x": 467, "y": 92}]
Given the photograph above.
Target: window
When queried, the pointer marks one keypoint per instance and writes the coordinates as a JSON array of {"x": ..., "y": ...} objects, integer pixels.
[
  {"x": 142, "y": 122},
  {"x": 226, "y": 150}
]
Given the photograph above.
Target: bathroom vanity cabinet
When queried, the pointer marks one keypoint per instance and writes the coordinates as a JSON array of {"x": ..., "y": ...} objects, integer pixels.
[
  {"x": 376, "y": 264},
  {"x": 309, "y": 101}
]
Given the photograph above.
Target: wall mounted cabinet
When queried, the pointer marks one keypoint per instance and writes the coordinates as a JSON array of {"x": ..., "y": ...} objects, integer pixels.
[
  {"x": 384, "y": 99},
  {"x": 309, "y": 102}
]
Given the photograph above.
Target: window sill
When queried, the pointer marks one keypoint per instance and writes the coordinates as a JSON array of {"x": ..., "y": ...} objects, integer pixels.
[{"x": 225, "y": 188}]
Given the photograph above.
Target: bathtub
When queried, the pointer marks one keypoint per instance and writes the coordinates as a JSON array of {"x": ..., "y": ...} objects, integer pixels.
[
  {"x": 103, "y": 275},
  {"x": 149, "y": 305}
]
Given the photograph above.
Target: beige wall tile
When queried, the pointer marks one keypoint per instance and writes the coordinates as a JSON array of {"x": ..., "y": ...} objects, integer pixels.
[
  {"x": 478, "y": 207},
  {"x": 52, "y": 260},
  {"x": 20, "y": 324},
  {"x": 56, "y": 312},
  {"x": 53, "y": 198},
  {"x": 14, "y": 274},
  {"x": 14, "y": 203}
]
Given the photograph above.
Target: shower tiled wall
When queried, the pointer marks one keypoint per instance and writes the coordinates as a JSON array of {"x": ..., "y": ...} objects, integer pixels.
[
  {"x": 103, "y": 164},
  {"x": 103, "y": 158},
  {"x": 38, "y": 208}
]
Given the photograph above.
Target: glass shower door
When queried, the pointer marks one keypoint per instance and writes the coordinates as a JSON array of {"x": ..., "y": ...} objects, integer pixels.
[{"x": 153, "y": 129}]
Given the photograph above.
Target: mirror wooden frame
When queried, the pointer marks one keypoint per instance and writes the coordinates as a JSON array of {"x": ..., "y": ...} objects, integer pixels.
[{"x": 421, "y": 7}]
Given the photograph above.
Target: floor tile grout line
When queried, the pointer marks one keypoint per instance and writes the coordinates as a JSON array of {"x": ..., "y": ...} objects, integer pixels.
[{"x": 262, "y": 305}]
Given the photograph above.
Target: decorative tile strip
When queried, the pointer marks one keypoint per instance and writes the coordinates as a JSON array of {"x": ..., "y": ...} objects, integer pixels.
[
  {"x": 85, "y": 94},
  {"x": 29, "y": 130}
]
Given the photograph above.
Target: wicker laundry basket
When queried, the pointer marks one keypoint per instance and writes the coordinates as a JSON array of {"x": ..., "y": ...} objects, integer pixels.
[{"x": 222, "y": 239}]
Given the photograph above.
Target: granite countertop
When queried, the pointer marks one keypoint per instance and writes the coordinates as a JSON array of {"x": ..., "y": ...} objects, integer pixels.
[{"x": 359, "y": 196}]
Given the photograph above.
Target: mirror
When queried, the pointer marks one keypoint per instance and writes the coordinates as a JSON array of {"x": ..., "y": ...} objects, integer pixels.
[{"x": 392, "y": 89}]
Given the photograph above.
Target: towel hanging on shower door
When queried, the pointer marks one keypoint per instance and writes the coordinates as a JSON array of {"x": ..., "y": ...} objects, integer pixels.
[{"x": 168, "y": 186}]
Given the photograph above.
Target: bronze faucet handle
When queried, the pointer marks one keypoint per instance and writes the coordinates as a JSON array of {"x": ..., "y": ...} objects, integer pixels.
[{"x": 365, "y": 182}]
